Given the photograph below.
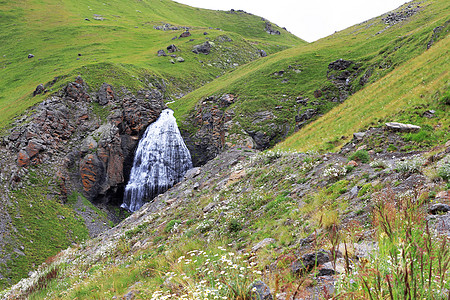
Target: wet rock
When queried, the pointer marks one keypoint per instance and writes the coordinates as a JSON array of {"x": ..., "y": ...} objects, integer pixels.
[{"x": 39, "y": 90}]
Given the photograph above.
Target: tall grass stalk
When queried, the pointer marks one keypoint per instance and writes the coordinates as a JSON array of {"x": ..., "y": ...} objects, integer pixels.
[{"x": 411, "y": 262}]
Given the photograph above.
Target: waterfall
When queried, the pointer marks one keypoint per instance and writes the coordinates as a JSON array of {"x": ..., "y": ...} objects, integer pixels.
[{"x": 161, "y": 160}]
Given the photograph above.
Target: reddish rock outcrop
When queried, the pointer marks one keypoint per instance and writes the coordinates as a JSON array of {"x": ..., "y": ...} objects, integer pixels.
[{"x": 64, "y": 130}]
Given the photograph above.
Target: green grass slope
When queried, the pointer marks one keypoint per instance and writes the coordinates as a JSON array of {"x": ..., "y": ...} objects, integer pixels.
[
  {"x": 403, "y": 95},
  {"x": 125, "y": 39},
  {"x": 375, "y": 47}
]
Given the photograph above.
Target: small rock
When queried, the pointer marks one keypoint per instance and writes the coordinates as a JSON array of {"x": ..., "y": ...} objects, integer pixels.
[
  {"x": 86, "y": 19},
  {"x": 362, "y": 147},
  {"x": 204, "y": 48},
  {"x": 260, "y": 291},
  {"x": 352, "y": 163},
  {"x": 354, "y": 191},
  {"x": 308, "y": 261},
  {"x": 192, "y": 173},
  {"x": 209, "y": 207},
  {"x": 438, "y": 208},
  {"x": 180, "y": 59},
  {"x": 359, "y": 135},
  {"x": 429, "y": 114},
  {"x": 172, "y": 48},
  {"x": 262, "y": 53},
  {"x": 30, "y": 55},
  {"x": 262, "y": 244},
  {"x": 161, "y": 53},
  {"x": 400, "y": 127},
  {"x": 196, "y": 186},
  {"x": 185, "y": 34},
  {"x": 39, "y": 89},
  {"x": 205, "y": 33},
  {"x": 443, "y": 195},
  {"x": 236, "y": 176}
]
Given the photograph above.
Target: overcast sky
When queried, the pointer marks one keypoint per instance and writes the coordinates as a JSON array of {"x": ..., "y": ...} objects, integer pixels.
[{"x": 307, "y": 19}]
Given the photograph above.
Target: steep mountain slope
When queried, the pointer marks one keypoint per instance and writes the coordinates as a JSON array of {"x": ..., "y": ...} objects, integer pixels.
[
  {"x": 80, "y": 37},
  {"x": 77, "y": 145},
  {"x": 278, "y": 95}
]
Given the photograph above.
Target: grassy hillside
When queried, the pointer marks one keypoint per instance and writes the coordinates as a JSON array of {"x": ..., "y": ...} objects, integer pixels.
[
  {"x": 404, "y": 95},
  {"x": 118, "y": 33},
  {"x": 376, "y": 48}
]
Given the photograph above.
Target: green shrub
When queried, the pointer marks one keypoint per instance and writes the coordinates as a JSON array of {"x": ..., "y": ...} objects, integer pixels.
[
  {"x": 412, "y": 165},
  {"x": 234, "y": 226},
  {"x": 173, "y": 224},
  {"x": 360, "y": 155},
  {"x": 444, "y": 170},
  {"x": 365, "y": 189}
]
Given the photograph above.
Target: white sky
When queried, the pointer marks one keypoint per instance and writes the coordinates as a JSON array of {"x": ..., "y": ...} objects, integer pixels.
[{"x": 307, "y": 19}]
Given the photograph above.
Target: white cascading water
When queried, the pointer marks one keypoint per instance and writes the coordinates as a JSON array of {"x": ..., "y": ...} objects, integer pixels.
[{"x": 161, "y": 160}]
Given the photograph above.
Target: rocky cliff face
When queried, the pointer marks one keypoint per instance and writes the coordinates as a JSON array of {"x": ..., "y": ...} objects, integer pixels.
[{"x": 89, "y": 138}]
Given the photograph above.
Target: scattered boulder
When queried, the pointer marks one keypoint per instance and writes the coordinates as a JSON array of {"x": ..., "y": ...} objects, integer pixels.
[
  {"x": 308, "y": 261},
  {"x": 262, "y": 244},
  {"x": 359, "y": 136},
  {"x": 161, "y": 53},
  {"x": 400, "y": 127},
  {"x": 39, "y": 90},
  {"x": 429, "y": 114},
  {"x": 236, "y": 176},
  {"x": 172, "y": 48},
  {"x": 260, "y": 291},
  {"x": 204, "y": 48},
  {"x": 399, "y": 16},
  {"x": 306, "y": 115},
  {"x": 270, "y": 30},
  {"x": 185, "y": 34}
]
